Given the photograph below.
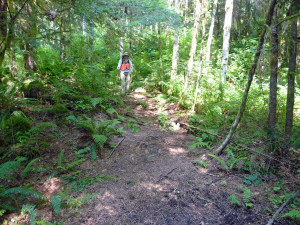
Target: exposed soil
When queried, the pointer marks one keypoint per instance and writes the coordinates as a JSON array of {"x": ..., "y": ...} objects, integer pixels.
[{"x": 159, "y": 182}]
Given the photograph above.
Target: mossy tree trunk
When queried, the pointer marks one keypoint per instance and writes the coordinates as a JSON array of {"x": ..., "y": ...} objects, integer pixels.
[
  {"x": 273, "y": 84},
  {"x": 291, "y": 74}
]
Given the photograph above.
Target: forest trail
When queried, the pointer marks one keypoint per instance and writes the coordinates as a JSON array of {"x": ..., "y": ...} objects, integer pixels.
[{"x": 158, "y": 181}]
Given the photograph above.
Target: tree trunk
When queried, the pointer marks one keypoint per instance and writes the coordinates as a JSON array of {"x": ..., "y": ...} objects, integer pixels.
[
  {"x": 226, "y": 38},
  {"x": 193, "y": 46},
  {"x": 273, "y": 84},
  {"x": 211, "y": 30},
  {"x": 121, "y": 46},
  {"x": 201, "y": 62},
  {"x": 250, "y": 78},
  {"x": 186, "y": 8},
  {"x": 3, "y": 28},
  {"x": 291, "y": 76},
  {"x": 175, "y": 53},
  {"x": 161, "y": 70}
]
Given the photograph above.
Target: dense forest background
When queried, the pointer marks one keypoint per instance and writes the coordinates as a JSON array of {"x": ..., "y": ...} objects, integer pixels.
[{"x": 230, "y": 67}]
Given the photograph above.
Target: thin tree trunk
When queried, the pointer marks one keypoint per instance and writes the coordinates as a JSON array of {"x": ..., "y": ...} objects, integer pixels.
[
  {"x": 121, "y": 46},
  {"x": 291, "y": 77},
  {"x": 175, "y": 53},
  {"x": 161, "y": 70},
  {"x": 186, "y": 8},
  {"x": 226, "y": 38},
  {"x": 250, "y": 78},
  {"x": 201, "y": 62},
  {"x": 273, "y": 83},
  {"x": 211, "y": 30},
  {"x": 193, "y": 46},
  {"x": 3, "y": 28}
]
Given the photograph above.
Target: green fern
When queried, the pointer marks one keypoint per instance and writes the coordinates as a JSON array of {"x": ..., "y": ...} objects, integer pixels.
[
  {"x": 56, "y": 203},
  {"x": 234, "y": 200},
  {"x": 96, "y": 101},
  {"x": 7, "y": 168},
  {"x": 94, "y": 152},
  {"x": 201, "y": 162},
  {"x": 69, "y": 166},
  {"x": 247, "y": 197},
  {"x": 30, "y": 209},
  {"x": 294, "y": 213},
  {"x": 22, "y": 191},
  {"x": 220, "y": 161},
  {"x": 60, "y": 158},
  {"x": 100, "y": 139},
  {"x": 27, "y": 168}
]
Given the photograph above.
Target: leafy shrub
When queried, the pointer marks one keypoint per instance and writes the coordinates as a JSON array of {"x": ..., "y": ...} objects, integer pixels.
[{"x": 14, "y": 127}]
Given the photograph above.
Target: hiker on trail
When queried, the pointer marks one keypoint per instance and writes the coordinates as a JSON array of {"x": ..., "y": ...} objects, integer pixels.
[{"x": 125, "y": 68}]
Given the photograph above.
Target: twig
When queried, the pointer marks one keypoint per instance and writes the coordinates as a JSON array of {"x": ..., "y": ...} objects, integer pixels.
[
  {"x": 281, "y": 207},
  {"x": 197, "y": 128},
  {"x": 116, "y": 147},
  {"x": 161, "y": 177}
]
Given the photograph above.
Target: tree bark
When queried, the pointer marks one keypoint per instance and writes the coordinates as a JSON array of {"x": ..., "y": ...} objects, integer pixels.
[
  {"x": 250, "y": 78},
  {"x": 175, "y": 53},
  {"x": 211, "y": 30},
  {"x": 291, "y": 76},
  {"x": 201, "y": 62},
  {"x": 226, "y": 38},
  {"x": 3, "y": 28},
  {"x": 186, "y": 8},
  {"x": 193, "y": 46},
  {"x": 273, "y": 84}
]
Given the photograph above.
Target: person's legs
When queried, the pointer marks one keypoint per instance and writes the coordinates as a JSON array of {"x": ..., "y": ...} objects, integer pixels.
[
  {"x": 122, "y": 75},
  {"x": 127, "y": 81}
]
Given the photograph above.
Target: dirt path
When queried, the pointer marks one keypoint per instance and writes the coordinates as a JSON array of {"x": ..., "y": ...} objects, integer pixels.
[{"x": 159, "y": 183}]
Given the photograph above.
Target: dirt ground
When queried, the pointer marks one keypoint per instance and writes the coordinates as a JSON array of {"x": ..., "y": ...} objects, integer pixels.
[{"x": 159, "y": 183}]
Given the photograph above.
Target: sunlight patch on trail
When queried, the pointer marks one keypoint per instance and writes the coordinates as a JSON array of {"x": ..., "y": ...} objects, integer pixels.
[{"x": 176, "y": 150}]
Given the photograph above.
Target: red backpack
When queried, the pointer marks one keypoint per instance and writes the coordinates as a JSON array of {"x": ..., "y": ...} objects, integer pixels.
[{"x": 125, "y": 66}]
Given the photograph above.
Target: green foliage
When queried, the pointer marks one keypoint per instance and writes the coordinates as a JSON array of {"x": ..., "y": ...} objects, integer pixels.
[
  {"x": 27, "y": 168},
  {"x": 247, "y": 197},
  {"x": 294, "y": 213},
  {"x": 220, "y": 161},
  {"x": 7, "y": 168},
  {"x": 59, "y": 110},
  {"x": 206, "y": 140},
  {"x": 30, "y": 209},
  {"x": 142, "y": 103},
  {"x": 253, "y": 179},
  {"x": 100, "y": 139},
  {"x": 163, "y": 120},
  {"x": 132, "y": 124},
  {"x": 234, "y": 200},
  {"x": 201, "y": 162},
  {"x": 14, "y": 127},
  {"x": 56, "y": 203},
  {"x": 68, "y": 166}
]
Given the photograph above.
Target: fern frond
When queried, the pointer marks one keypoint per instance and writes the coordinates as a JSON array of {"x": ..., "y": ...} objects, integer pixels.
[
  {"x": 94, "y": 152},
  {"x": 99, "y": 139},
  {"x": 21, "y": 191},
  {"x": 56, "y": 203},
  {"x": 246, "y": 195},
  {"x": 234, "y": 200},
  {"x": 30, "y": 209},
  {"x": 294, "y": 213},
  {"x": 60, "y": 158},
  {"x": 69, "y": 166},
  {"x": 220, "y": 161},
  {"x": 27, "y": 168},
  {"x": 10, "y": 167}
]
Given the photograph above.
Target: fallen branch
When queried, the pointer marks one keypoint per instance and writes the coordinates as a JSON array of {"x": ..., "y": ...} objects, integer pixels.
[
  {"x": 204, "y": 131},
  {"x": 116, "y": 147},
  {"x": 281, "y": 207},
  {"x": 161, "y": 176}
]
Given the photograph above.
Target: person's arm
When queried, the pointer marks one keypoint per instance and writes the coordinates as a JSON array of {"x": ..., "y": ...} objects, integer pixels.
[
  {"x": 131, "y": 68},
  {"x": 119, "y": 64}
]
